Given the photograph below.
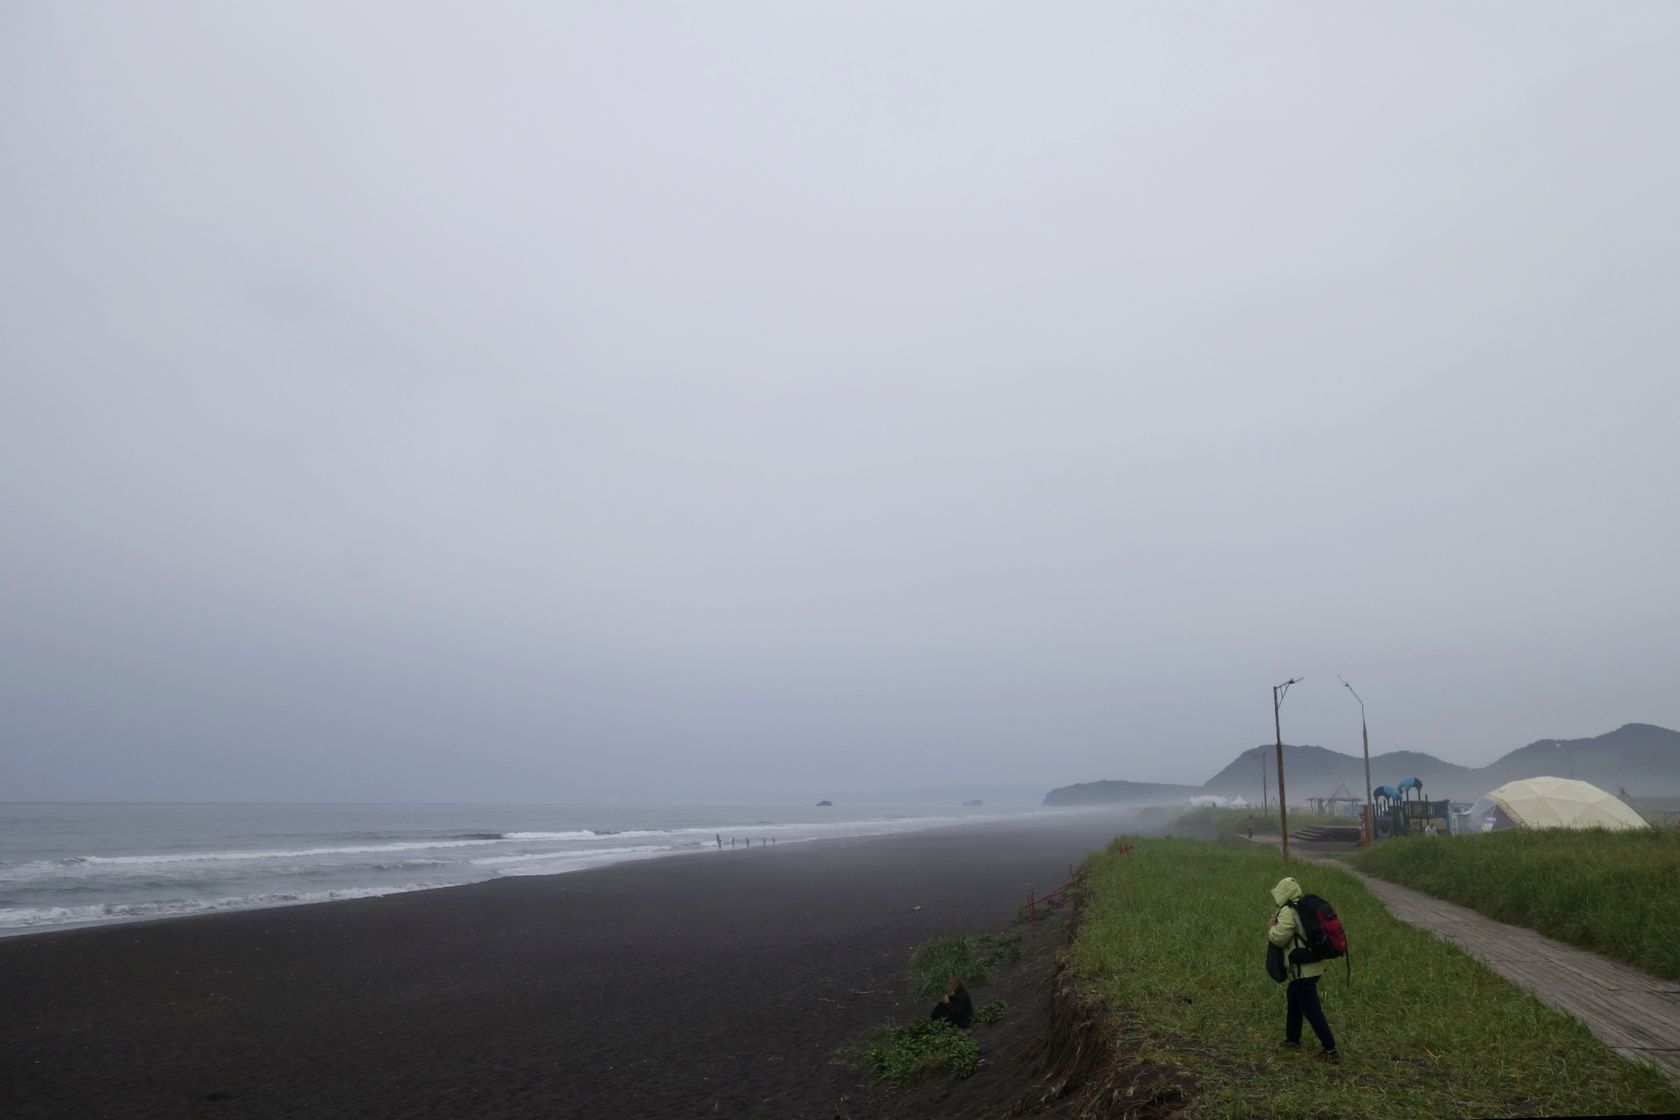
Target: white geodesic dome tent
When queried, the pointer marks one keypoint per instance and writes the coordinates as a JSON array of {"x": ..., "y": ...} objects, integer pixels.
[{"x": 1550, "y": 803}]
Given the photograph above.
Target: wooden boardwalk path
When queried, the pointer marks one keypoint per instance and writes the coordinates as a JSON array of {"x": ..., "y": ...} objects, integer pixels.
[{"x": 1635, "y": 1014}]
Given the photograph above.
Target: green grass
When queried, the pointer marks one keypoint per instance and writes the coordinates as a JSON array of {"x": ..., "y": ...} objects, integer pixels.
[
  {"x": 900, "y": 1056},
  {"x": 1173, "y": 936},
  {"x": 973, "y": 957},
  {"x": 1615, "y": 893}
]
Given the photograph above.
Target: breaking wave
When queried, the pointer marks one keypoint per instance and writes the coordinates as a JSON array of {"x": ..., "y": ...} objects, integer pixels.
[{"x": 27, "y": 917}]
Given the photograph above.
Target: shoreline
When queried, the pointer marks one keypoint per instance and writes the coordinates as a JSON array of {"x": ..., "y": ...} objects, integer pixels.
[
  {"x": 675, "y": 841},
  {"x": 656, "y": 988}
]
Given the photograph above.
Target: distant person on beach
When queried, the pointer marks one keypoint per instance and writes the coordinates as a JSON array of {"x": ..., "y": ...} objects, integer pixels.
[
  {"x": 956, "y": 1007},
  {"x": 1251, "y": 826},
  {"x": 1302, "y": 992},
  {"x": 720, "y": 841}
]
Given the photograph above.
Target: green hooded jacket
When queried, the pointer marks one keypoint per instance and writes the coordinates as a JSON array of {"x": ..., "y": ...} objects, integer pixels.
[{"x": 1286, "y": 929}]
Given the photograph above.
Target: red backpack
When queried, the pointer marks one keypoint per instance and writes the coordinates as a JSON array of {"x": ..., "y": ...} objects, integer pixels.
[{"x": 1322, "y": 935}]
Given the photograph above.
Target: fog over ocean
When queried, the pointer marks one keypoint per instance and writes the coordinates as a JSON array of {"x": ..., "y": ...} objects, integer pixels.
[{"x": 64, "y": 865}]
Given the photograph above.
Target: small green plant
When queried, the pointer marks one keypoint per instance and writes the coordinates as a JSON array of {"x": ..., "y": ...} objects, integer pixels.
[
  {"x": 973, "y": 958},
  {"x": 898, "y": 1056}
]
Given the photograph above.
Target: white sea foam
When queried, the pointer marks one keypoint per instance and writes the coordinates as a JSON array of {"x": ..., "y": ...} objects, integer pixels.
[
  {"x": 841, "y": 827},
  {"x": 165, "y": 861},
  {"x": 106, "y": 865},
  {"x": 292, "y": 853},
  {"x": 560, "y": 862},
  {"x": 30, "y": 917},
  {"x": 516, "y": 858}
]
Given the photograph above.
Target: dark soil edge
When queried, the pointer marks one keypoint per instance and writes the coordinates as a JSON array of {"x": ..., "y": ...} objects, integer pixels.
[
  {"x": 1088, "y": 1066},
  {"x": 1060, "y": 1052}
]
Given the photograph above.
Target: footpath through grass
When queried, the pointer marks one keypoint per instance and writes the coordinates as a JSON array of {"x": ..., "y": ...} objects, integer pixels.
[
  {"x": 1174, "y": 937},
  {"x": 1615, "y": 893}
]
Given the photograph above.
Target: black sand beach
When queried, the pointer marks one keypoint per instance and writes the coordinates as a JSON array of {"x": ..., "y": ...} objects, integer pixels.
[{"x": 711, "y": 985}]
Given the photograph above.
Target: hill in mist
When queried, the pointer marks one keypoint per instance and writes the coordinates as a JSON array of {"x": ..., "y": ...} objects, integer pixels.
[
  {"x": 1643, "y": 758},
  {"x": 1318, "y": 772},
  {"x": 1119, "y": 793},
  {"x": 1003, "y": 796}
]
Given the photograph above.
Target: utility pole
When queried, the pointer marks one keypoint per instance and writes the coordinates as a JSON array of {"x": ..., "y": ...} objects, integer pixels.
[
  {"x": 1265, "y": 798},
  {"x": 1278, "y": 693},
  {"x": 1366, "y": 736}
]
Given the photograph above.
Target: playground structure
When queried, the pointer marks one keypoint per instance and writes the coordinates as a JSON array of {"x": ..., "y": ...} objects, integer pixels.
[
  {"x": 1400, "y": 810},
  {"x": 1339, "y": 804}
]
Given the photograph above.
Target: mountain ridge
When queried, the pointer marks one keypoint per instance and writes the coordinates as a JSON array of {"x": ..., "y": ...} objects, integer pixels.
[{"x": 1642, "y": 757}]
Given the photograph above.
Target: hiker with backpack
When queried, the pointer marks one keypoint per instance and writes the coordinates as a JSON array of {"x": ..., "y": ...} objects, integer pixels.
[{"x": 1306, "y": 934}]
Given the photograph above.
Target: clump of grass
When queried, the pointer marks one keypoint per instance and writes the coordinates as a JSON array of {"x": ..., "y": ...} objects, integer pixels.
[
  {"x": 972, "y": 957},
  {"x": 898, "y": 1056},
  {"x": 1173, "y": 937},
  {"x": 1611, "y": 892}
]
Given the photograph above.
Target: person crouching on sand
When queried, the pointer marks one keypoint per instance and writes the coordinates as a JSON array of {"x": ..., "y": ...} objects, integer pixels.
[
  {"x": 1302, "y": 992},
  {"x": 956, "y": 1007}
]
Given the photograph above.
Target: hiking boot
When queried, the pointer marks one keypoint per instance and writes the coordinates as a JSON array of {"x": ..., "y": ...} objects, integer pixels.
[
  {"x": 1291, "y": 1047},
  {"x": 1334, "y": 1057}
]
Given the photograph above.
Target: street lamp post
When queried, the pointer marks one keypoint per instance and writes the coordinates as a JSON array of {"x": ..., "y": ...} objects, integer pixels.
[
  {"x": 1558, "y": 743},
  {"x": 1366, "y": 736},
  {"x": 1265, "y": 798},
  {"x": 1278, "y": 693}
]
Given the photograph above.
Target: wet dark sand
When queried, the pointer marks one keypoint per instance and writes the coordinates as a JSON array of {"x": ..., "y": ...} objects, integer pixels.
[{"x": 717, "y": 984}]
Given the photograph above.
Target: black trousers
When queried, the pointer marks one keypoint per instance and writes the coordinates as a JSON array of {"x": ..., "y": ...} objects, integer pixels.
[{"x": 1303, "y": 1001}]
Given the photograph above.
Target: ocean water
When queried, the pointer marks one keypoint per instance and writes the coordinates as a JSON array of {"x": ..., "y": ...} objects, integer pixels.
[{"x": 65, "y": 865}]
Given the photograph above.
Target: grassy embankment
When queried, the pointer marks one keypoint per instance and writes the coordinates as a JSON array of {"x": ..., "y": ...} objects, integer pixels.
[
  {"x": 1173, "y": 938},
  {"x": 1615, "y": 893}
]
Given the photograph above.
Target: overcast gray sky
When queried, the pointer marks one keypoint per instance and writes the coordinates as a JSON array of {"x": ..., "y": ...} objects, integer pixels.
[{"x": 706, "y": 402}]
